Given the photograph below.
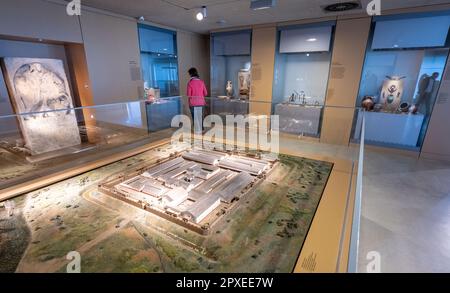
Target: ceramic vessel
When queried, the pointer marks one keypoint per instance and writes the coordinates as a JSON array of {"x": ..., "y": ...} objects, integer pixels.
[
  {"x": 391, "y": 93},
  {"x": 229, "y": 88},
  {"x": 404, "y": 107},
  {"x": 368, "y": 103},
  {"x": 378, "y": 107}
]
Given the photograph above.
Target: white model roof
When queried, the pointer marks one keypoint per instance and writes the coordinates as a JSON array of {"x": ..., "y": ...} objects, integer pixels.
[{"x": 164, "y": 167}]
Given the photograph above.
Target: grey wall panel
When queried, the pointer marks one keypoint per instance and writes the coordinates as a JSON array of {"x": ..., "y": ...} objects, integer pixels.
[
  {"x": 193, "y": 51},
  {"x": 38, "y": 19},
  {"x": 112, "y": 52}
]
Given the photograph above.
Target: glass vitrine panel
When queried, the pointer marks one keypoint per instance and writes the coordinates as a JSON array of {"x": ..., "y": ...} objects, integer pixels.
[
  {"x": 302, "y": 66},
  {"x": 400, "y": 83}
]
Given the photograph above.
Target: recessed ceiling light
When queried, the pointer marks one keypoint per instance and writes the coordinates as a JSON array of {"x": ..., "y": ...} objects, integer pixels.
[
  {"x": 307, "y": 55},
  {"x": 262, "y": 4},
  {"x": 311, "y": 40}
]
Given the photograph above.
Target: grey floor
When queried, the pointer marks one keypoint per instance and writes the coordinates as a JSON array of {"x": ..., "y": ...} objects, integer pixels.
[{"x": 405, "y": 213}]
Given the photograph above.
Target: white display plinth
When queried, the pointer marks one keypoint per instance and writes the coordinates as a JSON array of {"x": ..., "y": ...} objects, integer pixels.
[
  {"x": 299, "y": 119},
  {"x": 390, "y": 128}
]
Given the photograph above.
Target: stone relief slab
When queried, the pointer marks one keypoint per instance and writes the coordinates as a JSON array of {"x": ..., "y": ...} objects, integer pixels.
[{"x": 35, "y": 86}]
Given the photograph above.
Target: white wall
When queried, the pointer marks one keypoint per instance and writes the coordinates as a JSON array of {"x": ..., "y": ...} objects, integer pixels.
[
  {"x": 399, "y": 63},
  {"x": 301, "y": 72},
  {"x": 411, "y": 64}
]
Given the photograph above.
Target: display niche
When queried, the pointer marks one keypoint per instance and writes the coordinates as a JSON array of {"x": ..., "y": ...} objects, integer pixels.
[
  {"x": 302, "y": 66},
  {"x": 230, "y": 72},
  {"x": 401, "y": 78},
  {"x": 159, "y": 60}
]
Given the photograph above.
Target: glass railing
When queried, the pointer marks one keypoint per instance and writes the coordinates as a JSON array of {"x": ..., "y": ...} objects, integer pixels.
[
  {"x": 41, "y": 148},
  {"x": 353, "y": 256}
]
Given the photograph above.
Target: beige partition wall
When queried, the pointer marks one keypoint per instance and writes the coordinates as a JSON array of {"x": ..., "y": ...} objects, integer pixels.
[
  {"x": 437, "y": 140},
  {"x": 346, "y": 66},
  {"x": 193, "y": 51},
  {"x": 263, "y": 62}
]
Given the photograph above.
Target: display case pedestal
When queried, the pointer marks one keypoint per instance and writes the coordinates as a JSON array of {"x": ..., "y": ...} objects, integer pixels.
[{"x": 391, "y": 128}]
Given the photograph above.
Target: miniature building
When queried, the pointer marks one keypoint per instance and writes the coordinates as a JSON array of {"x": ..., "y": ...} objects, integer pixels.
[{"x": 192, "y": 186}]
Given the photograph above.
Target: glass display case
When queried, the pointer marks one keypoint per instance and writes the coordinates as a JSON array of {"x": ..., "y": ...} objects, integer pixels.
[
  {"x": 401, "y": 77},
  {"x": 230, "y": 71},
  {"x": 159, "y": 60},
  {"x": 302, "y": 66},
  {"x": 90, "y": 191}
]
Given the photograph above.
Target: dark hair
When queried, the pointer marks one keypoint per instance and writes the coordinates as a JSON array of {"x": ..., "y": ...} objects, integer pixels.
[{"x": 193, "y": 72}]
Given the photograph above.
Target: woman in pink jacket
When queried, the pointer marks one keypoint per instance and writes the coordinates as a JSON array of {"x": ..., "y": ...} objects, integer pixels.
[{"x": 196, "y": 92}]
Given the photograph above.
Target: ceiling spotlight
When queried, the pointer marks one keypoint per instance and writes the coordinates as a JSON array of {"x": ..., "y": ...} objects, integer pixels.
[
  {"x": 141, "y": 18},
  {"x": 202, "y": 14},
  {"x": 311, "y": 40}
]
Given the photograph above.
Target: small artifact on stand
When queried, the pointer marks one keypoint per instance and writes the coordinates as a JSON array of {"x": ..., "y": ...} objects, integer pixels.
[
  {"x": 229, "y": 89},
  {"x": 244, "y": 84},
  {"x": 391, "y": 93},
  {"x": 157, "y": 94},
  {"x": 292, "y": 98},
  {"x": 150, "y": 96},
  {"x": 377, "y": 107},
  {"x": 302, "y": 97},
  {"x": 413, "y": 109},
  {"x": 404, "y": 107},
  {"x": 368, "y": 103}
]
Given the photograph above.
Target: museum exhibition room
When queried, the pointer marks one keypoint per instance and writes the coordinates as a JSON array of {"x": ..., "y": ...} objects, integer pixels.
[{"x": 223, "y": 136}]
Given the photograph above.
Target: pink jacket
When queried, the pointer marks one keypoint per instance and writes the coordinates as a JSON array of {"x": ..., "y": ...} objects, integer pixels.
[{"x": 196, "y": 91}]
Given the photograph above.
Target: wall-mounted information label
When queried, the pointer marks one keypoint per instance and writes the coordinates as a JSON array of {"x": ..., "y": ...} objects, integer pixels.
[
  {"x": 135, "y": 71},
  {"x": 443, "y": 98}
]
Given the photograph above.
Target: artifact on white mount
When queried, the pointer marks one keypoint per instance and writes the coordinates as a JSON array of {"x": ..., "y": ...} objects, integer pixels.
[
  {"x": 150, "y": 95},
  {"x": 368, "y": 103},
  {"x": 413, "y": 109},
  {"x": 38, "y": 85},
  {"x": 244, "y": 83},
  {"x": 229, "y": 89},
  {"x": 404, "y": 107},
  {"x": 377, "y": 107},
  {"x": 391, "y": 93}
]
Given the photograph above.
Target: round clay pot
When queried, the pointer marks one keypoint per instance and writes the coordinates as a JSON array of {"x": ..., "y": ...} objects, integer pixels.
[
  {"x": 404, "y": 107},
  {"x": 367, "y": 103}
]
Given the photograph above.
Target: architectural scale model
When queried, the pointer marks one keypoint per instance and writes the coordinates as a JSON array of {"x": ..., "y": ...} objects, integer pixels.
[{"x": 193, "y": 189}]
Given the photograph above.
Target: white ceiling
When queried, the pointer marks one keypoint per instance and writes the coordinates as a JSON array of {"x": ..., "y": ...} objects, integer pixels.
[{"x": 181, "y": 13}]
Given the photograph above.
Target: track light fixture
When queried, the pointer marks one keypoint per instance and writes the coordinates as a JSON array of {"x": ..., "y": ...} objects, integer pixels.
[{"x": 202, "y": 14}]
